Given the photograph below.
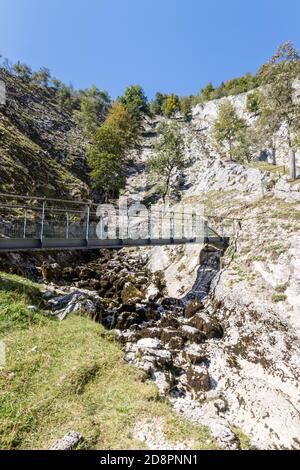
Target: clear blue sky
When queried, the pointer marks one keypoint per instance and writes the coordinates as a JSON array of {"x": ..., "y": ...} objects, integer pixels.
[{"x": 166, "y": 45}]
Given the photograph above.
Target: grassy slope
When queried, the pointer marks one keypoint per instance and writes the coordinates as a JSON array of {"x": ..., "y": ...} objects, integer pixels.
[{"x": 70, "y": 375}]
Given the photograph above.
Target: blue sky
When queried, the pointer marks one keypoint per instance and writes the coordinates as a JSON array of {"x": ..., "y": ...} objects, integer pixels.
[{"x": 166, "y": 45}]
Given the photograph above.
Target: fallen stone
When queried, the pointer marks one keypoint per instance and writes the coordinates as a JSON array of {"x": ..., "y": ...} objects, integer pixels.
[
  {"x": 197, "y": 379},
  {"x": 68, "y": 442},
  {"x": 148, "y": 343},
  {"x": 192, "y": 307},
  {"x": 192, "y": 334}
]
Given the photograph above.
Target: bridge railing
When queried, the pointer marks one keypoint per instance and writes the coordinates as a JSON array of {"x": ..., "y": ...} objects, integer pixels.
[{"x": 30, "y": 217}]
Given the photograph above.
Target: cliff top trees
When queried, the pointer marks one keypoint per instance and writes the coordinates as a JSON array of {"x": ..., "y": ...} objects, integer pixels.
[
  {"x": 135, "y": 102},
  {"x": 226, "y": 128},
  {"x": 171, "y": 105},
  {"x": 167, "y": 159},
  {"x": 94, "y": 105},
  {"x": 278, "y": 76}
]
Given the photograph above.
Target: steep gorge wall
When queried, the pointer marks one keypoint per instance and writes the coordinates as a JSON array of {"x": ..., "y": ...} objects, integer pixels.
[{"x": 42, "y": 151}]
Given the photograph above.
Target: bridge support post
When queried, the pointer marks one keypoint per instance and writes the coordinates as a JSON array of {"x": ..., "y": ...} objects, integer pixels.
[
  {"x": 25, "y": 223},
  {"x": 87, "y": 232},
  {"x": 42, "y": 222},
  {"x": 67, "y": 226},
  {"x": 194, "y": 224},
  {"x": 160, "y": 224},
  {"x": 149, "y": 225},
  {"x": 172, "y": 226}
]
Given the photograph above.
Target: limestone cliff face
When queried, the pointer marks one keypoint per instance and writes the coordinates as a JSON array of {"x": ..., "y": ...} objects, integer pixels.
[
  {"x": 42, "y": 151},
  {"x": 255, "y": 291}
]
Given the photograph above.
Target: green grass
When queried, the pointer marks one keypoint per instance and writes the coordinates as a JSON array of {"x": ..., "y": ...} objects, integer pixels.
[
  {"x": 279, "y": 297},
  {"x": 70, "y": 375},
  {"x": 281, "y": 288},
  {"x": 245, "y": 441},
  {"x": 266, "y": 166}
]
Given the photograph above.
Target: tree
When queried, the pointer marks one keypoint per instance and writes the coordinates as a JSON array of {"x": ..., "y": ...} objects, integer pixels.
[
  {"x": 156, "y": 106},
  {"x": 22, "y": 70},
  {"x": 42, "y": 76},
  {"x": 186, "y": 107},
  {"x": 135, "y": 102},
  {"x": 108, "y": 152},
  {"x": 94, "y": 105},
  {"x": 167, "y": 159},
  {"x": 267, "y": 123},
  {"x": 227, "y": 127},
  {"x": 278, "y": 76},
  {"x": 254, "y": 102},
  {"x": 65, "y": 96},
  {"x": 207, "y": 92},
  {"x": 248, "y": 144},
  {"x": 171, "y": 105}
]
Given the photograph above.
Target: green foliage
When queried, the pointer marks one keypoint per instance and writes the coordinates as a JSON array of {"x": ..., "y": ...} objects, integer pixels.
[
  {"x": 207, "y": 92},
  {"x": 93, "y": 109},
  {"x": 157, "y": 104},
  {"x": 247, "y": 145},
  {"x": 22, "y": 70},
  {"x": 227, "y": 128},
  {"x": 171, "y": 105},
  {"x": 279, "y": 297},
  {"x": 107, "y": 154},
  {"x": 168, "y": 157},
  {"x": 135, "y": 103},
  {"x": 278, "y": 76},
  {"x": 186, "y": 107},
  {"x": 253, "y": 103},
  {"x": 42, "y": 77},
  {"x": 168, "y": 105},
  {"x": 231, "y": 87}
]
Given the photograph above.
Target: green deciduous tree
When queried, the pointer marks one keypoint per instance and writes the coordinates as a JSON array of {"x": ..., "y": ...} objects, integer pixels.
[
  {"x": 278, "y": 76},
  {"x": 171, "y": 105},
  {"x": 226, "y": 128},
  {"x": 167, "y": 159},
  {"x": 108, "y": 152}
]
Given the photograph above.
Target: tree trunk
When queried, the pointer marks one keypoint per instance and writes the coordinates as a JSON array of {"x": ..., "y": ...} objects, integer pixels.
[{"x": 292, "y": 159}]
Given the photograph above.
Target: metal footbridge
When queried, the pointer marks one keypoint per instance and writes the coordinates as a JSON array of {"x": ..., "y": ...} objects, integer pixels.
[{"x": 33, "y": 223}]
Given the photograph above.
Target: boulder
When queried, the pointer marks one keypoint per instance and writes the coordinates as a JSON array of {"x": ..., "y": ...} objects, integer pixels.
[
  {"x": 195, "y": 354},
  {"x": 68, "y": 442},
  {"x": 148, "y": 343},
  {"x": 164, "y": 381},
  {"x": 192, "y": 334},
  {"x": 209, "y": 326},
  {"x": 130, "y": 293},
  {"x": 197, "y": 379},
  {"x": 192, "y": 307}
]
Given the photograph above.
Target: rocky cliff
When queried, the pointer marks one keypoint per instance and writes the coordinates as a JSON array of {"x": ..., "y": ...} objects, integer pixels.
[
  {"x": 253, "y": 292},
  {"x": 42, "y": 151}
]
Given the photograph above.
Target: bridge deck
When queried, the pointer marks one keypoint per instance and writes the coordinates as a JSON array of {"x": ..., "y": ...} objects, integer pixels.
[{"x": 30, "y": 244}]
